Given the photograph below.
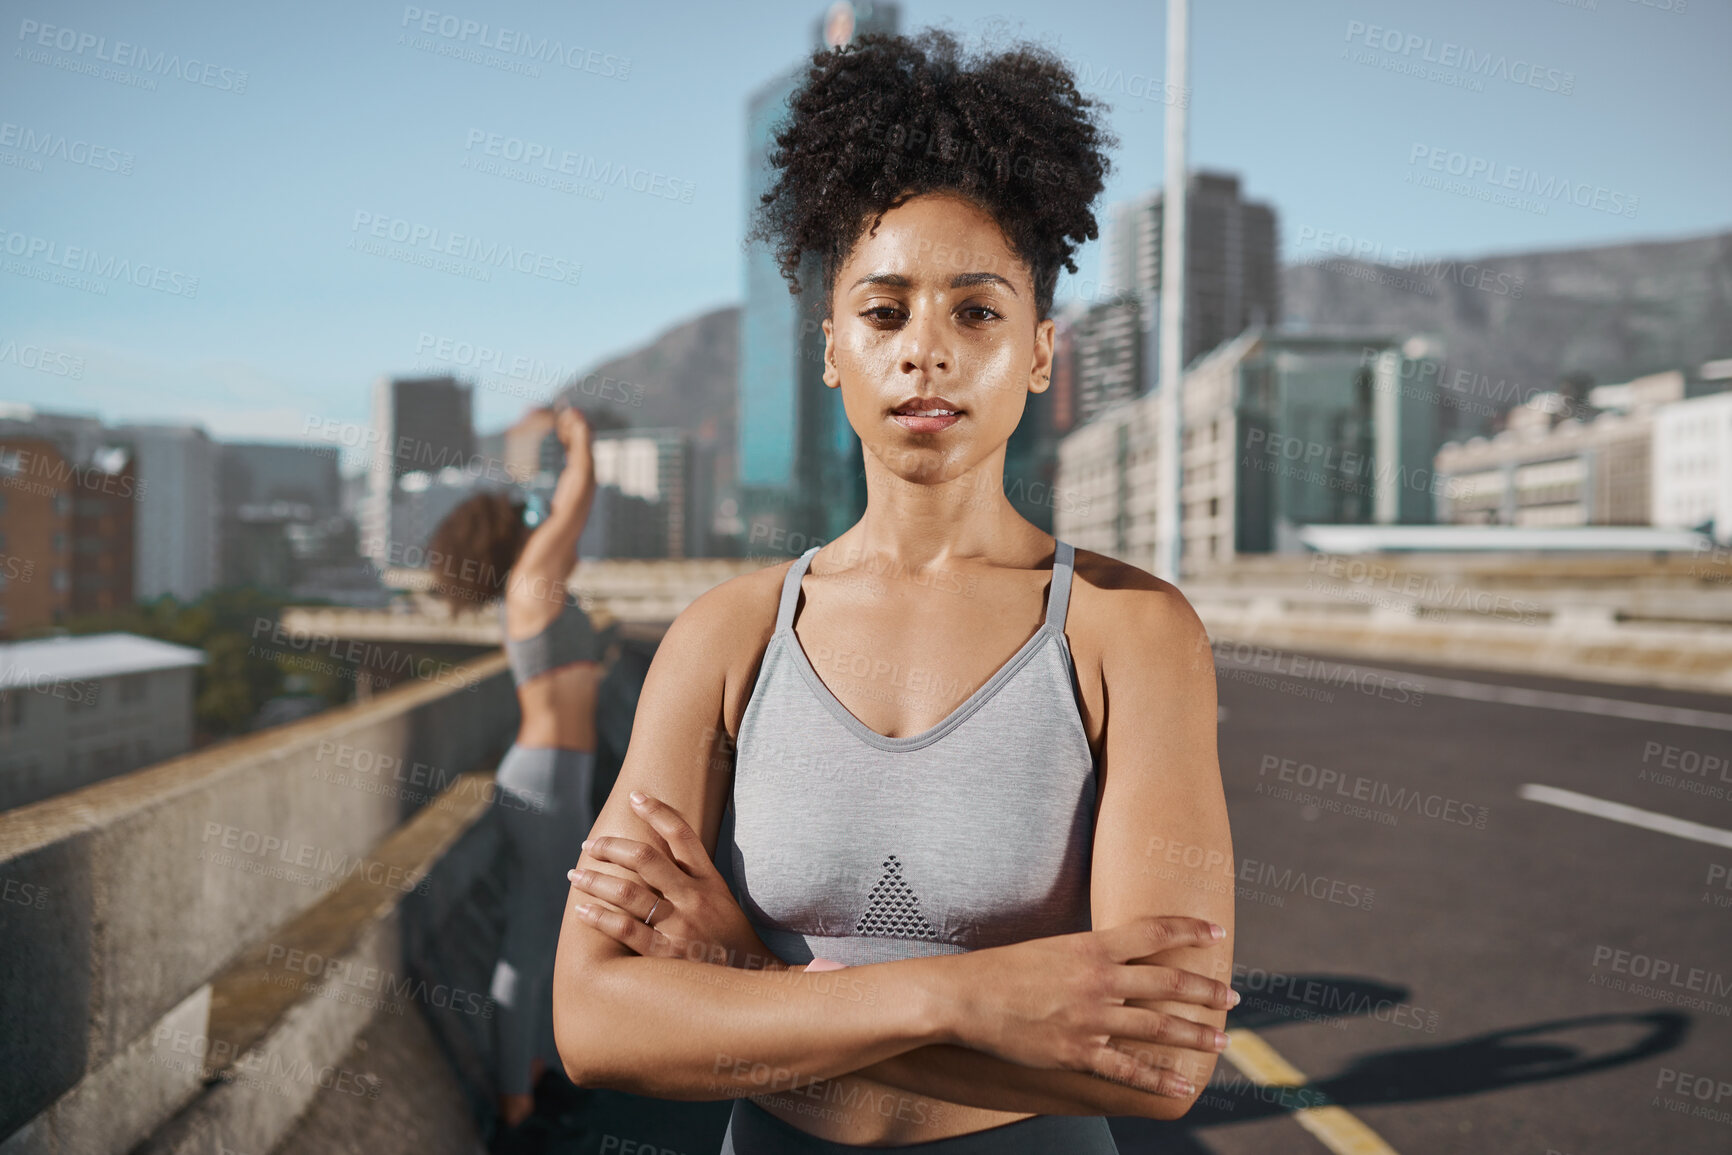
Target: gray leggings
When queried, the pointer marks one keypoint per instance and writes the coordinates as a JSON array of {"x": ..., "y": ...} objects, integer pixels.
[
  {"x": 544, "y": 810},
  {"x": 754, "y": 1131}
]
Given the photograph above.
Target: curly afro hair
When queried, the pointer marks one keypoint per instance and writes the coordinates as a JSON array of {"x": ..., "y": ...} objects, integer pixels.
[{"x": 887, "y": 118}]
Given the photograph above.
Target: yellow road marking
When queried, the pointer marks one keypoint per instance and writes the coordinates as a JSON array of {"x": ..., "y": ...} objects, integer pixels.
[{"x": 1335, "y": 1127}]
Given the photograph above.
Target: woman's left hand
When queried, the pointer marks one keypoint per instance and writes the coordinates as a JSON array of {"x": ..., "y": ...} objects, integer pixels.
[{"x": 697, "y": 918}]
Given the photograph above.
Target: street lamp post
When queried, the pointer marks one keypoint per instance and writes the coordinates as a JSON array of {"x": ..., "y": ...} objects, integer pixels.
[{"x": 1169, "y": 519}]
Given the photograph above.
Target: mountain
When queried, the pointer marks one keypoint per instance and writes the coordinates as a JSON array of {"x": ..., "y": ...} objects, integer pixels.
[
  {"x": 1531, "y": 319},
  {"x": 684, "y": 377}
]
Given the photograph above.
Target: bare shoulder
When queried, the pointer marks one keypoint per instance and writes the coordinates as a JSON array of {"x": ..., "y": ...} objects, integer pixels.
[
  {"x": 724, "y": 632},
  {"x": 1129, "y": 617}
]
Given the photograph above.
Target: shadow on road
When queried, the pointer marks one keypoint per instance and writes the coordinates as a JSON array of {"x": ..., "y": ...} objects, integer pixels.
[{"x": 1556, "y": 1049}]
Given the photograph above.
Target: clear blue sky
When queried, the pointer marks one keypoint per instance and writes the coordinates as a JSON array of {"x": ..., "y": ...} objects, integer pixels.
[{"x": 256, "y": 193}]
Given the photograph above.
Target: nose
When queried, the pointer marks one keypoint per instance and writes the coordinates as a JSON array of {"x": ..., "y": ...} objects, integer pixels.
[{"x": 926, "y": 342}]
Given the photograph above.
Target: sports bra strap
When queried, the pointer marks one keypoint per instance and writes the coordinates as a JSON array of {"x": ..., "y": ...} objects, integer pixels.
[
  {"x": 1058, "y": 596},
  {"x": 791, "y": 590}
]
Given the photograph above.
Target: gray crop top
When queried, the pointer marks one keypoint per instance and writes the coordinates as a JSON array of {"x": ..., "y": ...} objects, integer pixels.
[
  {"x": 568, "y": 638},
  {"x": 843, "y": 843}
]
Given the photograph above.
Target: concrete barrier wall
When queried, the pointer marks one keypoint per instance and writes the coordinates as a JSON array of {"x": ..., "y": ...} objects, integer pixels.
[
  {"x": 123, "y": 899},
  {"x": 1676, "y": 658}
]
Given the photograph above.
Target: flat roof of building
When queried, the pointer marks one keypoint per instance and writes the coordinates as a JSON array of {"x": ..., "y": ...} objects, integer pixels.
[{"x": 48, "y": 660}]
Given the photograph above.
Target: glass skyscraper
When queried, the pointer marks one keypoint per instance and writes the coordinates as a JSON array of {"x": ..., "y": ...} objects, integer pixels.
[{"x": 799, "y": 461}]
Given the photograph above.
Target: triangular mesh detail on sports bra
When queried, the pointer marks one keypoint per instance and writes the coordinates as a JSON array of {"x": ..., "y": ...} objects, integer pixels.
[{"x": 892, "y": 910}]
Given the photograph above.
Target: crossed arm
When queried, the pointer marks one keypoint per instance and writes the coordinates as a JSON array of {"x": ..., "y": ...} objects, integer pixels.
[
  {"x": 1161, "y": 803},
  {"x": 1160, "y": 788}
]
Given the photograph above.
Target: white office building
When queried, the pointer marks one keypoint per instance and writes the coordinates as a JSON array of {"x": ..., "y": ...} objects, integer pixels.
[
  {"x": 1692, "y": 464},
  {"x": 175, "y": 535}
]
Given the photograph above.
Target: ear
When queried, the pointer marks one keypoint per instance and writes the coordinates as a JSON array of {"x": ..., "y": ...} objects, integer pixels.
[
  {"x": 1040, "y": 370},
  {"x": 832, "y": 378}
]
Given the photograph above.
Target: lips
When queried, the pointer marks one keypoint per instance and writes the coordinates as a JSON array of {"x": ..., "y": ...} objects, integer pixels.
[
  {"x": 927, "y": 407},
  {"x": 926, "y": 414}
]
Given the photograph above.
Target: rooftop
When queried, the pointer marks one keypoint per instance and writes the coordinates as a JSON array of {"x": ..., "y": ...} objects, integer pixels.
[{"x": 95, "y": 656}]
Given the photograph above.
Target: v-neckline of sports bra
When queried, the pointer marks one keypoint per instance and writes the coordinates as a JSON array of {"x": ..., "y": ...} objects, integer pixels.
[{"x": 951, "y": 720}]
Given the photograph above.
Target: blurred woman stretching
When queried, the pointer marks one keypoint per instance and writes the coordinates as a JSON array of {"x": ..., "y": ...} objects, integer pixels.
[{"x": 487, "y": 548}]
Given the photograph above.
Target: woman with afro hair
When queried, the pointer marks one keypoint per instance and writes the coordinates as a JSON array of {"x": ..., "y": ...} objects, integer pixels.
[{"x": 962, "y": 776}]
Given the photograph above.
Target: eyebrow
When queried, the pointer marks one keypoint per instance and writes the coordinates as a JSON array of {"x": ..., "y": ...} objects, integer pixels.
[{"x": 959, "y": 281}]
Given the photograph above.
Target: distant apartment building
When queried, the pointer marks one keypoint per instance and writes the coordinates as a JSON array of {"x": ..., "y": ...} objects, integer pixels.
[
  {"x": 66, "y": 533},
  {"x": 1231, "y": 271},
  {"x": 1282, "y": 430},
  {"x": 74, "y": 711},
  {"x": 648, "y": 512},
  {"x": 1692, "y": 465},
  {"x": 1560, "y": 463},
  {"x": 176, "y": 543}
]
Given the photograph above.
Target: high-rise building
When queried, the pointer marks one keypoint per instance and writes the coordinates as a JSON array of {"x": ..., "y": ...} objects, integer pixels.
[
  {"x": 104, "y": 526},
  {"x": 176, "y": 543},
  {"x": 279, "y": 502},
  {"x": 66, "y": 533},
  {"x": 423, "y": 425},
  {"x": 1109, "y": 356},
  {"x": 1231, "y": 274},
  {"x": 799, "y": 465}
]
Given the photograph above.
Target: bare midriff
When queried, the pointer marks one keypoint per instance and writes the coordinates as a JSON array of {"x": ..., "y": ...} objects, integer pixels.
[
  {"x": 855, "y": 1109},
  {"x": 559, "y": 708}
]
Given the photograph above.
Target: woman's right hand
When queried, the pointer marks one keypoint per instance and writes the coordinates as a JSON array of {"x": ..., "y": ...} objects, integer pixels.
[
  {"x": 1063, "y": 1002},
  {"x": 572, "y": 428}
]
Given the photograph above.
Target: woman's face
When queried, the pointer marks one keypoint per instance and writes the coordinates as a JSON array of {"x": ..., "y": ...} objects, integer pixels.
[{"x": 934, "y": 312}]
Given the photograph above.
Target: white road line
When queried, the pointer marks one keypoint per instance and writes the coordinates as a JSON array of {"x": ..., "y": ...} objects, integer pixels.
[
  {"x": 1618, "y": 812},
  {"x": 1507, "y": 695}
]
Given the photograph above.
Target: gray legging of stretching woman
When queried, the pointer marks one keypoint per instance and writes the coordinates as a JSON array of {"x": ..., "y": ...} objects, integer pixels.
[{"x": 545, "y": 812}]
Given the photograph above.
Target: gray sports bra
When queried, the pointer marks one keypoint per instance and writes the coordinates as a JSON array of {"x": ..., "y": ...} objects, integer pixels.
[
  {"x": 568, "y": 638},
  {"x": 843, "y": 843}
]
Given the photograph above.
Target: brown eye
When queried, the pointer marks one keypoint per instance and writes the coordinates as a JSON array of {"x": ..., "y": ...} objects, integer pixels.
[
  {"x": 990, "y": 314},
  {"x": 875, "y": 313}
]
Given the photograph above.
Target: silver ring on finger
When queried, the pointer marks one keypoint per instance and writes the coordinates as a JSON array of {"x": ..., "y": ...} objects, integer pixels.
[{"x": 652, "y": 911}]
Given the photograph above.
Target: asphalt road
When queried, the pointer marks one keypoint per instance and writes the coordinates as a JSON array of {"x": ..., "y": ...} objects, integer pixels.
[{"x": 1461, "y": 968}]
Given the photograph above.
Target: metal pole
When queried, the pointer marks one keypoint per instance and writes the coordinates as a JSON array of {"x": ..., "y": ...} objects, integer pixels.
[{"x": 1168, "y": 522}]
